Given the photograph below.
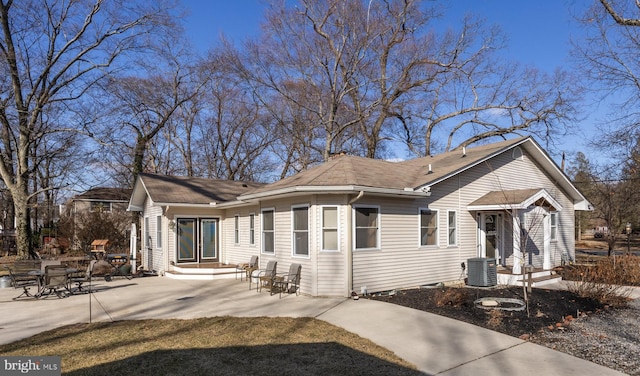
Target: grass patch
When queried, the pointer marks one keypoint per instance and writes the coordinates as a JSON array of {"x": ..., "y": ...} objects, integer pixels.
[{"x": 218, "y": 345}]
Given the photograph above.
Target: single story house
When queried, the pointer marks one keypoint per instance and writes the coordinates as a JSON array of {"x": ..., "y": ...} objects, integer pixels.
[{"x": 359, "y": 224}]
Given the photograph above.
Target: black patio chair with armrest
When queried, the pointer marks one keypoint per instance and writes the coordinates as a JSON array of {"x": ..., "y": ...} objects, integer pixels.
[
  {"x": 266, "y": 276},
  {"x": 81, "y": 277},
  {"x": 21, "y": 278},
  {"x": 290, "y": 282},
  {"x": 247, "y": 268},
  {"x": 56, "y": 280}
]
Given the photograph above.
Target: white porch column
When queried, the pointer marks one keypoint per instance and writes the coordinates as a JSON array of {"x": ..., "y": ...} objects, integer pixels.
[
  {"x": 517, "y": 252},
  {"x": 546, "y": 260}
]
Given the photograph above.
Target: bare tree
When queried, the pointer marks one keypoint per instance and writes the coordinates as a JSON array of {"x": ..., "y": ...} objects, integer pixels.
[
  {"x": 54, "y": 52},
  {"x": 377, "y": 70},
  {"x": 143, "y": 104},
  {"x": 607, "y": 57},
  {"x": 234, "y": 131},
  {"x": 618, "y": 17}
]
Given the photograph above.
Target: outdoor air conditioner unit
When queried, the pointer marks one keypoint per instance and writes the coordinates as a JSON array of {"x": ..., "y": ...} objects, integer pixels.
[{"x": 482, "y": 272}]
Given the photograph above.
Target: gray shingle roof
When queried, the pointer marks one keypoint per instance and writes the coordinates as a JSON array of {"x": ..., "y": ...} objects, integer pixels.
[
  {"x": 510, "y": 197},
  {"x": 105, "y": 194},
  {"x": 191, "y": 190},
  {"x": 365, "y": 172}
]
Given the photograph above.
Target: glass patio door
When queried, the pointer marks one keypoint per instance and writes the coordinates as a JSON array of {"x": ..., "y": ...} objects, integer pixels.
[
  {"x": 186, "y": 239},
  {"x": 209, "y": 239}
]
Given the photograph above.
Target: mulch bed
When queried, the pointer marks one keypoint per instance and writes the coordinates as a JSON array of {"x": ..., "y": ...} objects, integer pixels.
[{"x": 548, "y": 309}]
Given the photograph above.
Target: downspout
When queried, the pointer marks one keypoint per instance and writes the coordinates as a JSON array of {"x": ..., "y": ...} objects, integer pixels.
[{"x": 349, "y": 279}]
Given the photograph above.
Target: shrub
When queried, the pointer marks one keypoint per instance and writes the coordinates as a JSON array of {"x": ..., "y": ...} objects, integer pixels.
[
  {"x": 454, "y": 297},
  {"x": 607, "y": 280}
]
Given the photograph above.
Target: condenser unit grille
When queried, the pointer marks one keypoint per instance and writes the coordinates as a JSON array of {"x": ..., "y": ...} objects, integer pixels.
[{"x": 482, "y": 272}]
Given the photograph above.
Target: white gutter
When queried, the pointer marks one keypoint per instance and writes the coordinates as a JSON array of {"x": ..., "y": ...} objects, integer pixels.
[{"x": 337, "y": 189}]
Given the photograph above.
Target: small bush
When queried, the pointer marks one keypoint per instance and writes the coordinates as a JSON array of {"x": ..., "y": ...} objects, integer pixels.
[
  {"x": 495, "y": 318},
  {"x": 607, "y": 280},
  {"x": 451, "y": 297}
]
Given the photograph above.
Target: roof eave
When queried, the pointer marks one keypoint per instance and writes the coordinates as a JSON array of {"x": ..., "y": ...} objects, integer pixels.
[{"x": 337, "y": 189}]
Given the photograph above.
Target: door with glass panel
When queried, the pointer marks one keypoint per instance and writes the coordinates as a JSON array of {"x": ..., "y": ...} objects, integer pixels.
[
  {"x": 186, "y": 239},
  {"x": 209, "y": 240},
  {"x": 197, "y": 240}
]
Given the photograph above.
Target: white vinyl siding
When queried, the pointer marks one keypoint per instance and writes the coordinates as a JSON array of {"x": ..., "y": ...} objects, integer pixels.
[
  {"x": 153, "y": 258},
  {"x": 147, "y": 233},
  {"x": 366, "y": 227},
  {"x": 330, "y": 226}
]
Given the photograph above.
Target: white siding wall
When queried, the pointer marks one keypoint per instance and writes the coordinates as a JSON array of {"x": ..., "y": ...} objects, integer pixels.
[
  {"x": 152, "y": 257},
  {"x": 402, "y": 262},
  {"x": 242, "y": 251},
  {"x": 331, "y": 270}
]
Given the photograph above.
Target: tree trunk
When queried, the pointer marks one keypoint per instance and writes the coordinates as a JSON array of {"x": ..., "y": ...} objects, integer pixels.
[{"x": 23, "y": 229}]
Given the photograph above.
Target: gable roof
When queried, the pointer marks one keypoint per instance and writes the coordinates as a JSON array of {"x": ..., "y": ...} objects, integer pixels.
[
  {"x": 349, "y": 174},
  {"x": 514, "y": 199},
  {"x": 104, "y": 194},
  {"x": 185, "y": 190}
]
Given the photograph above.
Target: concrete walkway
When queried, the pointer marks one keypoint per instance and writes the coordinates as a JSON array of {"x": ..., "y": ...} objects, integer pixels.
[{"x": 436, "y": 345}]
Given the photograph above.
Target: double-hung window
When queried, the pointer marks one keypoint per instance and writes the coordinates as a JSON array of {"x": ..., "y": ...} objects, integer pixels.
[
  {"x": 428, "y": 227},
  {"x": 452, "y": 232},
  {"x": 268, "y": 231},
  {"x": 252, "y": 229},
  {"x": 367, "y": 227},
  {"x": 330, "y": 228},
  {"x": 236, "y": 229},
  {"x": 300, "y": 236},
  {"x": 553, "y": 218},
  {"x": 159, "y": 231}
]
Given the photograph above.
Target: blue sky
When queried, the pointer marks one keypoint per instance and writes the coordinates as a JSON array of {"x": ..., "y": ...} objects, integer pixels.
[{"x": 538, "y": 31}]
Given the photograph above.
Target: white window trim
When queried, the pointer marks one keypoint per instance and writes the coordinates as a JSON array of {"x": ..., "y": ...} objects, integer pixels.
[
  {"x": 379, "y": 228},
  {"x": 455, "y": 213},
  {"x": 293, "y": 251},
  {"x": 252, "y": 229},
  {"x": 437, "y": 213},
  {"x": 236, "y": 229},
  {"x": 322, "y": 227},
  {"x": 273, "y": 211}
]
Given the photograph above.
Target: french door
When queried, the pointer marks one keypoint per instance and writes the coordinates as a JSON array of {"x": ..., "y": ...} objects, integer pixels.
[{"x": 197, "y": 240}]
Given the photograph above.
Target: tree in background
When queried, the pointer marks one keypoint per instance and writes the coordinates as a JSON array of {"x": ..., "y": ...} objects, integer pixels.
[
  {"x": 359, "y": 74},
  {"x": 52, "y": 54}
]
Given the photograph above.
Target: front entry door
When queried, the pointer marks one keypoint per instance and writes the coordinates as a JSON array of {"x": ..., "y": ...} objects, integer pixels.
[{"x": 490, "y": 230}]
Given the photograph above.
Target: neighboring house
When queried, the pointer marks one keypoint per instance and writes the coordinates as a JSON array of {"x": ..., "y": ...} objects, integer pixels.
[
  {"x": 101, "y": 199},
  {"x": 356, "y": 223}
]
